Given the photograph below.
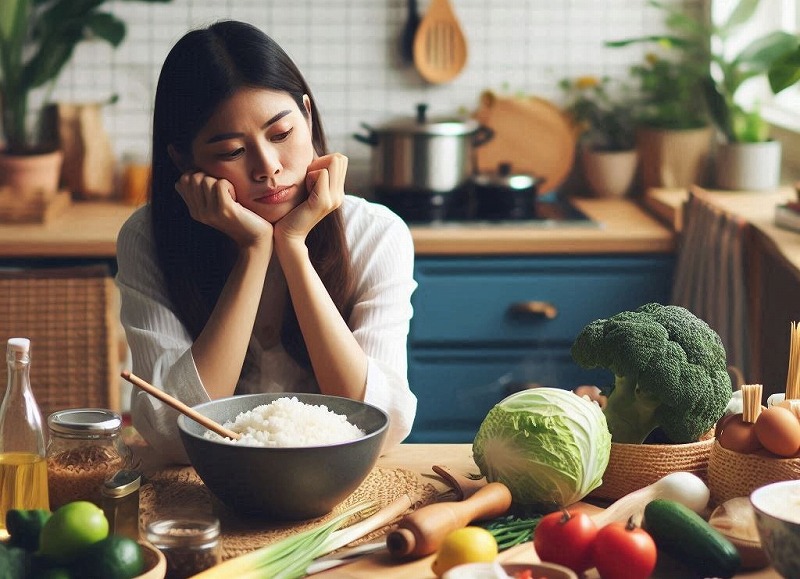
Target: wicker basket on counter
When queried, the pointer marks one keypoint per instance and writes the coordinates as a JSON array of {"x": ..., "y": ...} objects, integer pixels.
[
  {"x": 734, "y": 474},
  {"x": 633, "y": 466}
]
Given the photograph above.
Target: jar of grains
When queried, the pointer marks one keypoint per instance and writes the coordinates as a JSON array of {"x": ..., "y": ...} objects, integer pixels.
[
  {"x": 83, "y": 451},
  {"x": 190, "y": 544}
]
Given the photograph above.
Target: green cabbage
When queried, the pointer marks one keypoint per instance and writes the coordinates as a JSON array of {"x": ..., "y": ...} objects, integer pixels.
[{"x": 549, "y": 446}]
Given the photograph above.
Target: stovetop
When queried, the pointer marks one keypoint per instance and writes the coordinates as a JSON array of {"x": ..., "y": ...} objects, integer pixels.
[
  {"x": 550, "y": 213},
  {"x": 462, "y": 208}
]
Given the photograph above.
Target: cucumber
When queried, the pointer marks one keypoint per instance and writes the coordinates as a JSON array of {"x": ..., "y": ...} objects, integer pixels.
[{"x": 684, "y": 535}]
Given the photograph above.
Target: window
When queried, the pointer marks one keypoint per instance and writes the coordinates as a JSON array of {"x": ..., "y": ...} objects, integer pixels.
[{"x": 781, "y": 110}]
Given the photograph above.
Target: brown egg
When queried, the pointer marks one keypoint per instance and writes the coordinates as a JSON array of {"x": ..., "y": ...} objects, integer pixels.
[
  {"x": 737, "y": 435},
  {"x": 778, "y": 429}
]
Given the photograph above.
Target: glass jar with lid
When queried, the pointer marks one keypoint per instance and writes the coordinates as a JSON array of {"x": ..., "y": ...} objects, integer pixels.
[
  {"x": 84, "y": 450},
  {"x": 190, "y": 544}
]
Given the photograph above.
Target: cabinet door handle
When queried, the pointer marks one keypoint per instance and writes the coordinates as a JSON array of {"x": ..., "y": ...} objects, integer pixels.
[{"x": 533, "y": 309}]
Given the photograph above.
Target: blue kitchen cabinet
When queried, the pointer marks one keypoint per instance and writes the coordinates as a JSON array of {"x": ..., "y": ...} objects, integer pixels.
[{"x": 485, "y": 327}]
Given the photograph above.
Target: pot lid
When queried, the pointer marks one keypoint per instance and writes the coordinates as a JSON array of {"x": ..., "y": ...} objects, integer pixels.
[
  {"x": 422, "y": 125},
  {"x": 505, "y": 178}
]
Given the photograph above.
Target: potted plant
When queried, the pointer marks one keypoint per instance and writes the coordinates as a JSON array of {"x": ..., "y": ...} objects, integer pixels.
[
  {"x": 605, "y": 126},
  {"x": 37, "y": 39},
  {"x": 746, "y": 157},
  {"x": 673, "y": 130}
]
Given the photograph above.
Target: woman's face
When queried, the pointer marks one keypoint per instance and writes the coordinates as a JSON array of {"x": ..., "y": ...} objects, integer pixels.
[{"x": 260, "y": 141}]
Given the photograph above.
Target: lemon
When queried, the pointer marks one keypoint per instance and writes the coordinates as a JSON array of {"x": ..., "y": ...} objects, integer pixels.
[
  {"x": 466, "y": 545},
  {"x": 70, "y": 529}
]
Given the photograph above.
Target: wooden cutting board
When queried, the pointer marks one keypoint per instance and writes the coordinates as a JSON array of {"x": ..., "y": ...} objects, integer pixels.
[
  {"x": 530, "y": 133},
  {"x": 382, "y": 565}
]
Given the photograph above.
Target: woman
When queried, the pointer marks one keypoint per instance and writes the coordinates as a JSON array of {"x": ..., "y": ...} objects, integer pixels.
[{"x": 250, "y": 270}]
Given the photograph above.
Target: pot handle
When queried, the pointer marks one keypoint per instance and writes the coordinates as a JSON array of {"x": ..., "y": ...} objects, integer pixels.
[
  {"x": 371, "y": 139},
  {"x": 482, "y": 136}
]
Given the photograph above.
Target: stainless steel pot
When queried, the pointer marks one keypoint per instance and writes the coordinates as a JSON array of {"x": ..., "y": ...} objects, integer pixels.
[{"x": 421, "y": 154}]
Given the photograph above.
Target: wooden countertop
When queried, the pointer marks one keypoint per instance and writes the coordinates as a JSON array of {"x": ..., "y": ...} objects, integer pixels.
[
  {"x": 85, "y": 229},
  {"x": 757, "y": 208},
  {"x": 419, "y": 458},
  {"x": 89, "y": 230},
  {"x": 623, "y": 226}
]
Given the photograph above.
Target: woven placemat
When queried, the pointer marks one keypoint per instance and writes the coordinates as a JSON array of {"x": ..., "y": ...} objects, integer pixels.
[{"x": 179, "y": 491}]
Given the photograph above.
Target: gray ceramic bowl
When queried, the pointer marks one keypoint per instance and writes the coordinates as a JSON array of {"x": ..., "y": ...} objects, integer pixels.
[
  {"x": 777, "y": 509},
  {"x": 283, "y": 483}
]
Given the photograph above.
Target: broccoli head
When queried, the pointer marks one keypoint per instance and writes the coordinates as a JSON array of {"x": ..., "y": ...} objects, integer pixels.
[{"x": 670, "y": 372}]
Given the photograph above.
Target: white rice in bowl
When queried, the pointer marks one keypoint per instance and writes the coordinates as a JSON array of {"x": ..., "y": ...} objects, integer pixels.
[{"x": 287, "y": 422}]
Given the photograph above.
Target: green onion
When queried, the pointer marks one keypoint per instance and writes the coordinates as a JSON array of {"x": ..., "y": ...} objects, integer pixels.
[
  {"x": 287, "y": 558},
  {"x": 511, "y": 530}
]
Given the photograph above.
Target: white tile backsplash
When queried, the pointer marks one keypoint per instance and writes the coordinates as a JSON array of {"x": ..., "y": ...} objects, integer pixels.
[{"x": 348, "y": 51}]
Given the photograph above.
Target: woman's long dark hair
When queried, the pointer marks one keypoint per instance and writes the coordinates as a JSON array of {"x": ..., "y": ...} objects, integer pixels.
[{"x": 203, "y": 69}]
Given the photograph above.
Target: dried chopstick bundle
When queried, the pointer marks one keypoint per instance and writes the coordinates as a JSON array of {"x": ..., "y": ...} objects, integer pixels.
[
  {"x": 793, "y": 375},
  {"x": 751, "y": 402}
]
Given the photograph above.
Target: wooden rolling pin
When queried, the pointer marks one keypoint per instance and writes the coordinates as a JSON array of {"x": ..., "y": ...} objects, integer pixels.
[{"x": 422, "y": 532}]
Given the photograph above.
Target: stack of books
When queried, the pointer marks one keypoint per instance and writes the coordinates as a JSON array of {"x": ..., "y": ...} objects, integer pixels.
[{"x": 788, "y": 215}]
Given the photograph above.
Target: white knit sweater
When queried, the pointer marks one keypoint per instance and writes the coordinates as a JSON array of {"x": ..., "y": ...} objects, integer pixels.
[{"x": 382, "y": 253}]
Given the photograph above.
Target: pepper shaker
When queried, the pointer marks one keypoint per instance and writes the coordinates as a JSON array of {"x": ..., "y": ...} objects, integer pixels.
[{"x": 120, "y": 503}]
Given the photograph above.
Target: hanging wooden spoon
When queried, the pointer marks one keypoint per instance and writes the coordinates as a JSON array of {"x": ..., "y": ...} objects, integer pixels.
[
  {"x": 440, "y": 49},
  {"x": 180, "y": 406}
]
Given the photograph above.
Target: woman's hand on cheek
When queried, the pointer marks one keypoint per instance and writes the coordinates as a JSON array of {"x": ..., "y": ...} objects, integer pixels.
[
  {"x": 325, "y": 185},
  {"x": 212, "y": 201}
]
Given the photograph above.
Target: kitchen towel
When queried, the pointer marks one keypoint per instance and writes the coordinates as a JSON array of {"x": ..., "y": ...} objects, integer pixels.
[{"x": 710, "y": 278}]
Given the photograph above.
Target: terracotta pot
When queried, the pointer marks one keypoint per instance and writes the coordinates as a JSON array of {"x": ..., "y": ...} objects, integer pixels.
[
  {"x": 609, "y": 173},
  {"x": 30, "y": 173},
  {"x": 748, "y": 166},
  {"x": 673, "y": 158}
]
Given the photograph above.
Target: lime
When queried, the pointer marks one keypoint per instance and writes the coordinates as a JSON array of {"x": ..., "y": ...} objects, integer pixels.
[
  {"x": 115, "y": 557},
  {"x": 72, "y": 528},
  {"x": 466, "y": 545}
]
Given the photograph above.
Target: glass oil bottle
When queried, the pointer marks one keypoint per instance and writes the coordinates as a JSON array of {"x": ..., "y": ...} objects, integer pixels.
[{"x": 23, "y": 462}]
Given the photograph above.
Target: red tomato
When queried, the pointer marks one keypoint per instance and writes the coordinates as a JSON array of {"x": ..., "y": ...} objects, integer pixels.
[
  {"x": 566, "y": 538},
  {"x": 624, "y": 551}
]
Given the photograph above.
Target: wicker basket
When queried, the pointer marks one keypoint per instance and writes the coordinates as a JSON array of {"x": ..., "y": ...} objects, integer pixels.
[
  {"x": 733, "y": 474},
  {"x": 633, "y": 466},
  {"x": 69, "y": 314}
]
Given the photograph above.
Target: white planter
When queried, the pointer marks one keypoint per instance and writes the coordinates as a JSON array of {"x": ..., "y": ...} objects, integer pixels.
[
  {"x": 748, "y": 166},
  {"x": 609, "y": 173}
]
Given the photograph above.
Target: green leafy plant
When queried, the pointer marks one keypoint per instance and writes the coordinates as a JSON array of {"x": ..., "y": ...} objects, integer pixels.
[
  {"x": 37, "y": 39},
  {"x": 670, "y": 90},
  {"x": 785, "y": 71},
  {"x": 703, "y": 54},
  {"x": 605, "y": 121}
]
